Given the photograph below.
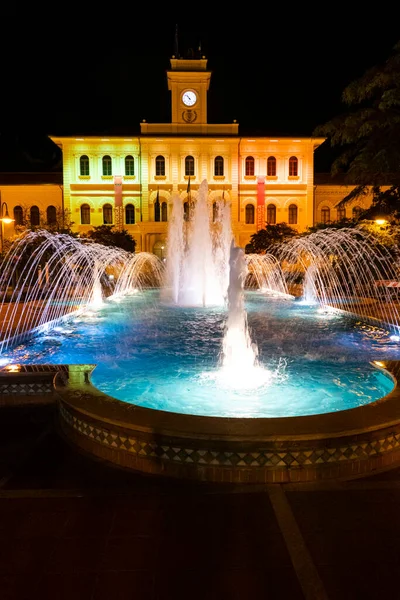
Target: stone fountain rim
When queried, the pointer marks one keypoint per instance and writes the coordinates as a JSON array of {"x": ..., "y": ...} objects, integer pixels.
[
  {"x": 85, "y": 398},
  {"x": 340, "y": 445}
]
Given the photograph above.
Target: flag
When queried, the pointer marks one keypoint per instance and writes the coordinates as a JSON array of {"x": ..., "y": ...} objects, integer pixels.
[
  {"x": 188, "y": 188},
  {"x": 157, "y": 206},
  {"x": 117, "y": 191},
  {"x": 260, "y": 203}
]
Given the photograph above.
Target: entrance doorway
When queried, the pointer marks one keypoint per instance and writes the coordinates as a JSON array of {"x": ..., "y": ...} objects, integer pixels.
[{"x": 160, "y": 250}]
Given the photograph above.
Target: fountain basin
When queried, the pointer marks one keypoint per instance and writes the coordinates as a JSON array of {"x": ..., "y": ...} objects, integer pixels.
[{"x": 340, "y": 445}]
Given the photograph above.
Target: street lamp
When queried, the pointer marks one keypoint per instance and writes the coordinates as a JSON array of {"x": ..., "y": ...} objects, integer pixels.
[{"x": 5, "y": 219}]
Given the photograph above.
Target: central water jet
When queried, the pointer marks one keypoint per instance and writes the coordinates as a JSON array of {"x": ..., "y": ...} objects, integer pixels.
[
  {"x": 240, "y": 367},
  {"x": 197, "y": 268}
]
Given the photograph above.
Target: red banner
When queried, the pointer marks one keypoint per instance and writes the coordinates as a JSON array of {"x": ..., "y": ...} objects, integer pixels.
[
  {"x": 118, "y": 190},
  {"x": 260, "y": 222}
]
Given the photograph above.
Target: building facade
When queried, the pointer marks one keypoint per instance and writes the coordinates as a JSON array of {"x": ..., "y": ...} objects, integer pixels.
[{"x": 130, "y": 182}]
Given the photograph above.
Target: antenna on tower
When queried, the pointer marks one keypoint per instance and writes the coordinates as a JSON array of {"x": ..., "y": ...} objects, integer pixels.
[{"x": 176, "y": 48}]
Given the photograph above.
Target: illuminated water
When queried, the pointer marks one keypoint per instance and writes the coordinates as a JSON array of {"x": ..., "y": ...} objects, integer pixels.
[{"x": 165, "y": 357}]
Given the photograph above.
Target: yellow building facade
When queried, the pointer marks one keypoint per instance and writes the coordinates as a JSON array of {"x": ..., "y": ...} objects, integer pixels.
[{"x": 130, "y": 182}]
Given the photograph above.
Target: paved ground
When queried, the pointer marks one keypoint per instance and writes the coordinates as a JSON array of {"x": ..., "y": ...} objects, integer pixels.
[{"x": 73, "y": 528}]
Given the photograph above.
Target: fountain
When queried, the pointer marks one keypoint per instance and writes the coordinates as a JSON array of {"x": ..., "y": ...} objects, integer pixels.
[
  {"x": 343, "y": 269},
  {"x": 198, "y": 253},
  {"x": 222, "y": 376},
  {"x": 77, "y": 276}
]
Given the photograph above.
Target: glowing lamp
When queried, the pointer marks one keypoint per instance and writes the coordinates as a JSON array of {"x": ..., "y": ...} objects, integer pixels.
[
  {"x": 13, "y": 368},
  {"x": 6, "y": 218}
]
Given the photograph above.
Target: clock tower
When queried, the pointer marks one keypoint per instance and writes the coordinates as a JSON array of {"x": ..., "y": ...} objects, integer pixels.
[{"x": 188, "y": 82}]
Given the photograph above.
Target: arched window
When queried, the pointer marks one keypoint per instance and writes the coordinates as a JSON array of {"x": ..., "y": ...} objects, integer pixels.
[
  {"x": 157, "y": 211},
  {"x": 84, "y": 166},
  {"x": 271, "y": 214},
  {"x": 160, "y": 166},
  {"x": 85, "y": 214},
  {"x": 51, "y": 214},
  {"x": 107, "y": 214},
  {"x": 249, "y": 214},
  {"x": 18, "y": 215},
  {"x": 218, "y": 166},
  {"x": 129, "y": 214},
  {"x": 164, "y": 212},
  {"x": 325, "y": 214},
  {"x": 186, "y": 211},
  {"x": 129, "y": 166},
  {"x": 271, "y": 166},
  {"x": 107, "y": 166},
  {"x": 35, "y": 216},
  {"x": 249, "y": 166},
  {"x": 292, "y": 214},
  {"x": 189, "y": 166},
  {"x": 293, "y": 166},
  {"x": 357, "y": 210},
  {"x": 341, "y": 213}
]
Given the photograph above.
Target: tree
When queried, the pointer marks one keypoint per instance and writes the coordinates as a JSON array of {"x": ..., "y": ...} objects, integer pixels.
[
  {"x": 343, "y": 223},
  {"x": 368, "y": 137},
  {"x": 106, "y": 235},
  {"x": 62, "y": 223},
  {"x": 264, "y": 240}
]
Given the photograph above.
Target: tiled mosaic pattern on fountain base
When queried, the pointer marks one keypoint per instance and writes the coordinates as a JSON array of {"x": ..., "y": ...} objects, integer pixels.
[
  {"x": 29, "y": 380},
  {"x": 255, "y": 459},
  {"x": 26, "y": 389}
]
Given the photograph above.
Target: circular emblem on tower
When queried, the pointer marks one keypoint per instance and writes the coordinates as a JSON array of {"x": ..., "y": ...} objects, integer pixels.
[{"x": 189, "y": 116}]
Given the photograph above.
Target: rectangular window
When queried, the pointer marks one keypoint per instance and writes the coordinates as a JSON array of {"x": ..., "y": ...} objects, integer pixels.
[
  {"x": 85, "y": 214},
  {"x": 130, "y": 214},
  {"x": 293, "y": 166},
  {"x": 271, "y": 167},
  {"x": 107, "y": 166},
  {"x": 271, "y": 214},
  {"x": 84, "y": 166},
  {"x": 325, "y": 215},
  {"x": 160, "y": 166},
  {"x": 189, "y": 166},
  {"x": 219, "y": 166},
  {"x": 129, "y": 166},
  {"x": 107, "y": 214},
  {"x": 292, "y": 215},
  {"x": 249, "y": 166}
]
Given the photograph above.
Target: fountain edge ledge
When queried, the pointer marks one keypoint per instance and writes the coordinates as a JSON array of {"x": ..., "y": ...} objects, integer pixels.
[{"x": 340, "y": 445}]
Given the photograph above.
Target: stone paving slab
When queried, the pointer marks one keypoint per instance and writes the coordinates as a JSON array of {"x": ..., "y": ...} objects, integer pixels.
[{"x": 72, "y": 527}]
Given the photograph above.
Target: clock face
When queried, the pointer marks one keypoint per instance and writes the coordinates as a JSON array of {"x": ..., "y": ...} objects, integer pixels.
[{"x": 189, "y": 98}]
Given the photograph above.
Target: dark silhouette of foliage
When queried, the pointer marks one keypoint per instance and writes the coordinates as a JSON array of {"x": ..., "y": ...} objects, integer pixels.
[
  {"x": 368, "y": 137},
  {"x": 108, "y": 236},
  {"x": 264, "y": 239},
  {"x": 343, "y": 223}
]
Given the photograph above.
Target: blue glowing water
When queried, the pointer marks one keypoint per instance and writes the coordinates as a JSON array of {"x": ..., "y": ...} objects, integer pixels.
[{"x": 165, "y": 357}]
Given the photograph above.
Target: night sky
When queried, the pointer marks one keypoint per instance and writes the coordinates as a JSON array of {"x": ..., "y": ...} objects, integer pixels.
[{"x": 81, "y": 73}]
